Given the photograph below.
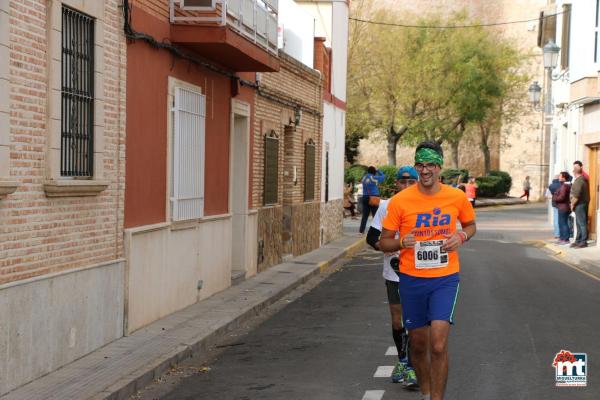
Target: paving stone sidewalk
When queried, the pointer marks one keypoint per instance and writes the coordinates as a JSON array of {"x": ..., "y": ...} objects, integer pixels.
[
  {"x": 119, "y": 369},
  {"x": 586, "y": 259}
]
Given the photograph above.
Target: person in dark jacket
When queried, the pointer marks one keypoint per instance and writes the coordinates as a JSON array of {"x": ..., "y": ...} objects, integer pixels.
[
  {"x": 370, "y": 183},
  {"x": 580, "y": 199},
  {"x": 552, "y": 188},
  {"x": 562, "y": 199}
]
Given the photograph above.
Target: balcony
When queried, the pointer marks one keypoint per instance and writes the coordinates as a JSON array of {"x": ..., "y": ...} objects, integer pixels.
[
  {"x": 585, "y": 90},
  {"x": 238, "y": 34}
]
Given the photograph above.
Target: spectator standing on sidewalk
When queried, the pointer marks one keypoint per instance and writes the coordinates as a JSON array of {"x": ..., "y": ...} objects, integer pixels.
[
  {"x": 359, "y": 196},
  {"x": 526, "y": 188},
  {"x": 471, "y": 190},
  {"x": 561, "y": 202},
  {"x": 580, "y": 198},
  {"x": 349, "y": 203},
  {"x": 370, "y": 183},
  {"x": 552, "y": 188}
]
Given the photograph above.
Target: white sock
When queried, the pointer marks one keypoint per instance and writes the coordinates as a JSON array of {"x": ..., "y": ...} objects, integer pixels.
[{"x": 426, "y": 397}]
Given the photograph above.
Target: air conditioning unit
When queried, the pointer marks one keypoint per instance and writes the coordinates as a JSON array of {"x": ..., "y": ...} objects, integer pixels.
[{"x": 198, "y": 4}]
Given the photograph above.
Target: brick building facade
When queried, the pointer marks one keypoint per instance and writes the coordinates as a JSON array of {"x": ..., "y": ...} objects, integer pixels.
[
  {"x": 291, "y": 224},
  {"x": 62, "y": 166}
]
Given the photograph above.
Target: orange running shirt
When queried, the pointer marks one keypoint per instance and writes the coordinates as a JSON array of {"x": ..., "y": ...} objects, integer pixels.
[{"x": 431, "y": 217}]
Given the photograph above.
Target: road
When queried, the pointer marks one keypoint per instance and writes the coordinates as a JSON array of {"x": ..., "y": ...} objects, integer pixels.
[{"x": 518, "y": 307}]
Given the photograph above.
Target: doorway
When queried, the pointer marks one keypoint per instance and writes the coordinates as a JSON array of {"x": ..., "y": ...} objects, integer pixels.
[
  {"x": 239, "y": 181},
  {"x": 594, "y": 207}
]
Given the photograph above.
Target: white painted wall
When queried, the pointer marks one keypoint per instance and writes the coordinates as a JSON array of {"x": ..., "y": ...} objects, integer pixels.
[
  {"x": 165, "y": 263},
  {"x": 568, "y": 122},
  {"x": 340, "y": 50},
  {"x": 331, "y": 22},
  {"x": 298, "y": 29},
  {"x": 581, "y": 55},
  {"x": 333, "y": 137}
]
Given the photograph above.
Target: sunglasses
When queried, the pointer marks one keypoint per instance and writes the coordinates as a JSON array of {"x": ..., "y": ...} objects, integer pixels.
[{"x": 407, "y": 181}]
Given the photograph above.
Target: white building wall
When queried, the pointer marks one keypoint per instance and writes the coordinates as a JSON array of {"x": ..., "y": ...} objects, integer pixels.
[
  {"x": 333, "y": 138},
  {"x": 340, "y": 50},
  {"x": 581, "y": 55},
  {"x": 297, "y": 28},
  {"x": 568, "y": 120},
  {"x": 322, "y": 12}
]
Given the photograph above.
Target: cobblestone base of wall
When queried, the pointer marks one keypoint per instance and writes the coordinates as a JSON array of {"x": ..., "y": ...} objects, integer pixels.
[
  {"x": 270, "y": 222},
  {"x": 305, "y": 227},
  {"x": 332, "y": 214}
]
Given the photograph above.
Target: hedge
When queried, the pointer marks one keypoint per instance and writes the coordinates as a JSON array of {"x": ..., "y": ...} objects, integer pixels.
[
  {"x": 452, "y": 173},
  {"x": 354, "y": 173},
  {"x": 490, "y": 186},
  {"x": 506, "y": 180}
]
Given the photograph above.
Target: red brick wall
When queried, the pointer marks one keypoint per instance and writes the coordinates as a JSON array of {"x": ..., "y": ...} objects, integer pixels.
[{"x": 40, "y": 235}]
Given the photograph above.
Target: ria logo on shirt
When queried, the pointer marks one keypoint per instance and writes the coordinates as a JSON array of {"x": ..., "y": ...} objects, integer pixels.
[{"x": 432, "y": 220}]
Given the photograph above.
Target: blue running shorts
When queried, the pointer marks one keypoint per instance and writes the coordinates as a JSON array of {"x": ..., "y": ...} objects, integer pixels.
[{"x": 428, "y": 299}]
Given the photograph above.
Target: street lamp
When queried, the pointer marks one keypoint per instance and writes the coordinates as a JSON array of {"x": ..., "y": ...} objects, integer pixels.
[
  {"x": 535, "y": 93},
  {"x": 551, "y": 51}
]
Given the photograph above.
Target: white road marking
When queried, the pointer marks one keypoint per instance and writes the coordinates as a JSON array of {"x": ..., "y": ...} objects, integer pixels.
[
  {"x": 384, "y": 371},
  {"x": 373, "y": 395},
  {"x": 391, "y": 351}
]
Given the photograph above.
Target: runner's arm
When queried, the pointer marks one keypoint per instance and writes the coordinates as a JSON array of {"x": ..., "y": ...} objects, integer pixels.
[
  {"x": 373, "y": 237},
  {"x": 469, "y": 228},
  {"x": 388, "y": 242}
]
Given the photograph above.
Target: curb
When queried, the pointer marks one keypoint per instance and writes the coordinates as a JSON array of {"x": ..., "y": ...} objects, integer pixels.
[
  {"x": 348, "y": 251},
  {"x": 129, "y": 385},
  {"x": 499, "y": 204},
  {"x": 572, "y": 260}
]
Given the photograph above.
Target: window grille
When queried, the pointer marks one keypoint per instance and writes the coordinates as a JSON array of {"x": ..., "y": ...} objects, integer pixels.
[
  {"x": 77, "y": 82},
  {"x": 271, "y": 168},
  {"x": 309, "y": 170}
]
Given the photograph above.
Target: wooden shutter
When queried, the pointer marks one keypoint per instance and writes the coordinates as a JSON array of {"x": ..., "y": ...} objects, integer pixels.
[
  {"x": 566, "y": 36},
  {"x": 309, "y": 170},
  {"x": 271, "y": 168},
  {"x": 188, "y": 155}
]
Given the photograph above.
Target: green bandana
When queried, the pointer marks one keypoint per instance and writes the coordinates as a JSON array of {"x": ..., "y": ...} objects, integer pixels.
[{"x": 426, "y": 155}]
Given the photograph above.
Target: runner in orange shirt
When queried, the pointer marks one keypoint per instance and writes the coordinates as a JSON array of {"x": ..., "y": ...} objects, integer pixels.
[{"x": 425, "y": 214}]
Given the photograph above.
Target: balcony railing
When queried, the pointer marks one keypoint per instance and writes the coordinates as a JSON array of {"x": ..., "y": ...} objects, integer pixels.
[{"x": 254, "y": 19}]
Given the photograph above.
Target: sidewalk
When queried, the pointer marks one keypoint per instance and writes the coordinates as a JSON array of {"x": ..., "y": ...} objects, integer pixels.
[
  {"x": 587, "y": 259},
  {"x": 119, "y": 369},
  {"x": 505, "y": 201}
]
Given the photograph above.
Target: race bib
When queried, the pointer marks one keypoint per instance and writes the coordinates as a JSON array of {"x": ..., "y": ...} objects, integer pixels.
[{"x": 429, "y": 254}]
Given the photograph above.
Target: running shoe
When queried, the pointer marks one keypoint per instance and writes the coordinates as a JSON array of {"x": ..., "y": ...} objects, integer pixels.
[
  {"x": 410, "y": 379},
  {"x": 399, "y": 372}
]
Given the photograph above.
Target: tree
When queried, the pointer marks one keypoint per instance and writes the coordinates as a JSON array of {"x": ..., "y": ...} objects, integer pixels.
[{"x": 411, "y": 84}]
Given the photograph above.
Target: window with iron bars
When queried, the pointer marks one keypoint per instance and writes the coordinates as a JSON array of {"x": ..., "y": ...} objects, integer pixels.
[{"x": 77, "y": 83}]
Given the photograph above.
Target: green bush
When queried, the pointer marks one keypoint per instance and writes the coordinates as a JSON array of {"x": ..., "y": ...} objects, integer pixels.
[
  {"x": 386, "y": 189},
  {"x": 452, "y": 173},
  {"x": 506, "y": 180},
  {"x": 490, "y": 186},
  {"x": 354, "y": 173}
]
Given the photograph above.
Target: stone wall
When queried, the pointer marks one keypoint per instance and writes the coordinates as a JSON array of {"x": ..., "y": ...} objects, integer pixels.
[
  {"x": 332, "y": 214},
  {"x": 305, "y": 226},
  {"x": 270, "y": 220},
  {"x": 373, "y": 151}
]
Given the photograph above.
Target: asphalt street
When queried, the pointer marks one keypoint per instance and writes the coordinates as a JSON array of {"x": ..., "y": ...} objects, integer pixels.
[{"x": 517, "y": 308}]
